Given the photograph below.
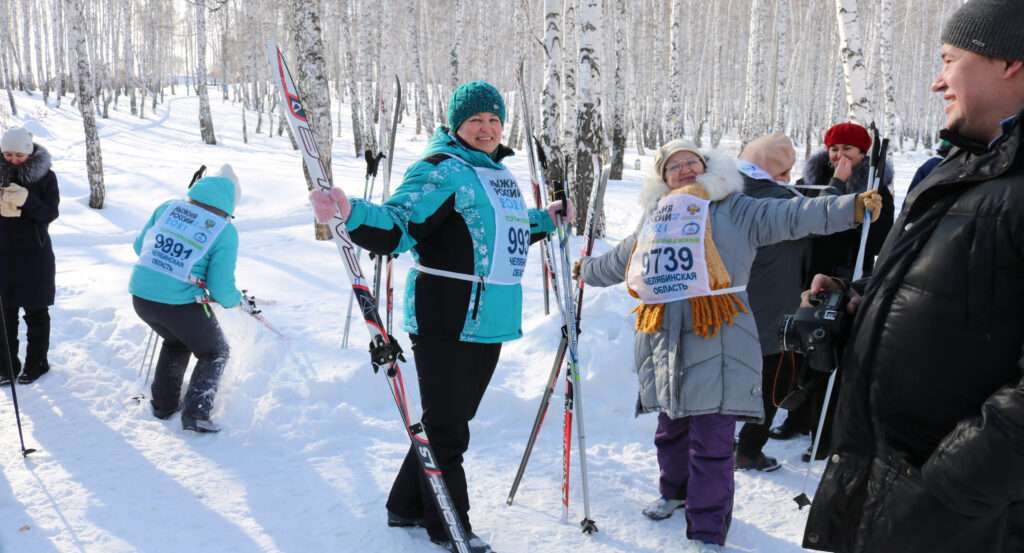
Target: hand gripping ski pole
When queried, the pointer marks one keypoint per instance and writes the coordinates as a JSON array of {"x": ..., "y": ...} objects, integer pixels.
[{"x": 384, "y": 349}]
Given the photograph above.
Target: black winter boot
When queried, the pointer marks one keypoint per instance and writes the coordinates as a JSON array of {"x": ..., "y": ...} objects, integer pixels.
[{"x": 37, "y": 321}]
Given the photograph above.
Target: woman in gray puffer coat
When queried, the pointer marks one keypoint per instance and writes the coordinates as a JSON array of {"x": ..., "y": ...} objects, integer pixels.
[{"x": 697, "y": 353}]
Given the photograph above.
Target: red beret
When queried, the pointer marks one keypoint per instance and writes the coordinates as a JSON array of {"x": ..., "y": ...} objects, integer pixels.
[{"x": 848, "y": 133}]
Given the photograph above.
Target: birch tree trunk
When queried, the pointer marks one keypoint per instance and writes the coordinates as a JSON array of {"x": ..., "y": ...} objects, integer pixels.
[
  {"x": 569, "y": 97},
  {"x": 551, "y": 95},
  {"x": 26, "y": 52},
  {"x": 205, "y": 119},
  {"x": 754, "y": 108},
  {"x": 60, "y": 70},
  {"x": 588, "y": 140},
  {"x": 316, "y": 91},
  {"x": 424, "y": 113},
  {"x": 453, "y": 53},
  {"x": 350, "y": 75},
  {"x": 93, "y": 155},
  {"x": 618, "y": 100},
  {"x": 854, "y": 70},
  {"x": 890, "y": 122},
  {"x": 781, "y": 100},
  {"x": 674, "y": 124}
]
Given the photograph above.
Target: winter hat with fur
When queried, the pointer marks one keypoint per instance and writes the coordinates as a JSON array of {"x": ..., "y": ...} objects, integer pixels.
[
  {"x": 772, "y": 152},
  {"x": 672, "y": 147},
  {"x": 472, "y": 98},
  {"x": 991, "y": 28},
  {"x": 848, "y": 133},
  {"x": 16, "y": 140}
]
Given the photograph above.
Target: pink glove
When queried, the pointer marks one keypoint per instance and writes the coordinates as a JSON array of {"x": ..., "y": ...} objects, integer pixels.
[
  {"x": 328, "y": 203},
  {"x": 556, "y": 206}
]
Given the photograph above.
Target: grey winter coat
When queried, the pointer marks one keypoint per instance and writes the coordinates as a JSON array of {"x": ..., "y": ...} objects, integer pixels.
[{"x": 680, "y": 373}]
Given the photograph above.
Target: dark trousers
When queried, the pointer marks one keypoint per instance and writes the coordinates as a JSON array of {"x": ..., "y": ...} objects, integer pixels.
[
  {"x": 778, "y": 372},
  {"x": 37, "y": 321},
  {"x": 452, "y": 376},
  {"x": 695, "y": 458},
  {"x": 187, "y": 330}
]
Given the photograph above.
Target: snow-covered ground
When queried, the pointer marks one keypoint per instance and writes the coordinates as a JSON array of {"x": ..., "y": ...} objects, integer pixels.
[{"x": 312, "y": 438}]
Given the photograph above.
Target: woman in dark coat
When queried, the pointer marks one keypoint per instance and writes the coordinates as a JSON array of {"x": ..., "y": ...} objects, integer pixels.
[
  {"x": 28, "y": 204},
  {"x": 843, "y": 168}
]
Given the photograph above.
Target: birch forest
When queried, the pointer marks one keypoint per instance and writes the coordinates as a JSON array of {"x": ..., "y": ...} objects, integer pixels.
[{"x": 601, "y": 76}]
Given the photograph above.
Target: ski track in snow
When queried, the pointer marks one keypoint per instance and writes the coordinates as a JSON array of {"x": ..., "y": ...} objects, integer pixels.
[{"x": 312, "y": 438}]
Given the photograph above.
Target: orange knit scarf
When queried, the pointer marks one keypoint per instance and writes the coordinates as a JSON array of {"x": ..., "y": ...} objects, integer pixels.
[{"x": 709, "y": 312}]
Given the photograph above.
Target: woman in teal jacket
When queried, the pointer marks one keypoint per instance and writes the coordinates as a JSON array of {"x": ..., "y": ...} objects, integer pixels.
[
  {"x": 461, "y": 213},
  {"x": 187, "y": 253}
]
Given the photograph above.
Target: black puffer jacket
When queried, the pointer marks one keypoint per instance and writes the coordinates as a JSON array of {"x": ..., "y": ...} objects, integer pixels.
[
  {"x": 928, "y": 447},
  {"x": 836, "y": 254},
  {"x": 26, "y": 254}
]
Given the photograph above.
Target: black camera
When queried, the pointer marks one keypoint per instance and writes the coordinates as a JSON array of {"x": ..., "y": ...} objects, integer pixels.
[{"x": 816, "y": 331}]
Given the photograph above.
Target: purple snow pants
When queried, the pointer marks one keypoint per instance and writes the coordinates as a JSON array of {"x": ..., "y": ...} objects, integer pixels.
[{"x": 696, "y": 462}]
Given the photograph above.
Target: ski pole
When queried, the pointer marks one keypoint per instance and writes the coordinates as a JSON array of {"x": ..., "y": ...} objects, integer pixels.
[
  {"x": 14, "y": 381},
  {"x": 371, "y": 177},
  {"x": 876, "y": 172}
]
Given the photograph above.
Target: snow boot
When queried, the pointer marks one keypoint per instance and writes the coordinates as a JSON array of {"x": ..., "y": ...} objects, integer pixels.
[
  {"x": 396, "y": 520},
  {"x": 33, "y": 371},
  {"x": 476, "y": 545},
  {"x": 162, "y": 414},
  {"x": 697, "y": 546},
  {"x": 202, "y": 426},
  {"x": 662, "y": 508},
  {"x": 761, "y": 463}
]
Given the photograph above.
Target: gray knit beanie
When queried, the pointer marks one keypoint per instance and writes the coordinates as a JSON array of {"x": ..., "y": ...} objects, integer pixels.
[
  {"x": 17, "y": 140},
  {"x": 992, "y": 28}
]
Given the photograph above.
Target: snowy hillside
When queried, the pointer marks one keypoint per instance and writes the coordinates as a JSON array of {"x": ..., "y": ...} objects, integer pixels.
[{"x": 312, "y": 438}]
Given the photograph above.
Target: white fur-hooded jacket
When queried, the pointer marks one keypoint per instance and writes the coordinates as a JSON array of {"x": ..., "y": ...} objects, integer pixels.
[{"x": 680, "y": 373}]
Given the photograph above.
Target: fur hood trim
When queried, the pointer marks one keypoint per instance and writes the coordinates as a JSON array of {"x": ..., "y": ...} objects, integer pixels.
[
  {"x": 34, "y": 168},
  {"x": 720, "y": 180}
]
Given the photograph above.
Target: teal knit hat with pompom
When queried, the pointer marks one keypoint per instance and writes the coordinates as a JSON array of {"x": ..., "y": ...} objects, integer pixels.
[{"x": 472, "y": 98}]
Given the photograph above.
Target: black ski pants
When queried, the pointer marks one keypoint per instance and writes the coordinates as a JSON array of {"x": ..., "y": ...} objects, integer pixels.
[
  {"x": 778, "y": 374},
  {"x": 37, "y": 321},
  {"x": 187, "y": 330},
  {"x": 453, "y": 376}
]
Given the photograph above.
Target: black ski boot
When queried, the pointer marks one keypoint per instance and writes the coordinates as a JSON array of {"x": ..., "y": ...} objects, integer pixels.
[{"x": 476, "y": 545}]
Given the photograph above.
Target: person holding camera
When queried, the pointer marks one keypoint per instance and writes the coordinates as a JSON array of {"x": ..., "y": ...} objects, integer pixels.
[
  {"x": 927, "y": 446},
  {"x": 187, "y": 254},
  {"x": 29, "y": 200},
  {"x": 697, "y": 351}
]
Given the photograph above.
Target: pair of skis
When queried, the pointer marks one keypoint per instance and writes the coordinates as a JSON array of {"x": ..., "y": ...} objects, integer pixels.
[
  {"x": 384, "y": 351},
  {"x": 569, "y": 307}
]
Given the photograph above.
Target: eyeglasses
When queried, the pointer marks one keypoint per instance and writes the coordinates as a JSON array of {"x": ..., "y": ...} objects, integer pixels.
[{"x": 693, "y": 164}]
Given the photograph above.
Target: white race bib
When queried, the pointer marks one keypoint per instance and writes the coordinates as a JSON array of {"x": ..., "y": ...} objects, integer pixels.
[
  {"x": 668, "y": 263},
  {"x": 179, "y": 238},
  {"x": 511, "y": 225}
]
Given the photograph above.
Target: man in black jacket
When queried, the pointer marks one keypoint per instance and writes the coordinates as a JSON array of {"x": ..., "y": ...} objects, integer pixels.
[{"x": 928, "y": 447}]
